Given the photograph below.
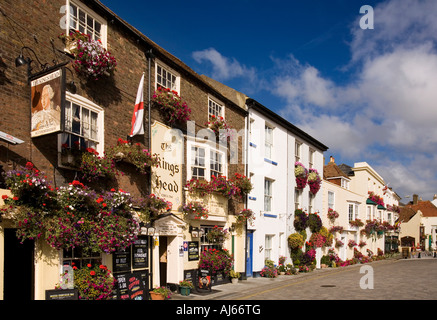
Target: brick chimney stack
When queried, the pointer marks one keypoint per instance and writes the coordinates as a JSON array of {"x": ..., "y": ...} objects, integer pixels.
[
  {"x": 415, "y": 198},
  {"x": 331, "y": 159}
]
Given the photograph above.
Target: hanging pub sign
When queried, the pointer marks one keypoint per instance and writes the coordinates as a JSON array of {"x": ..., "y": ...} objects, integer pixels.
[{"x": 47, "y": 98}]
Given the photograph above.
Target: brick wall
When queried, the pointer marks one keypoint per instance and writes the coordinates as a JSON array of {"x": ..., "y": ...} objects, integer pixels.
[{"x": 33, "y": 24}]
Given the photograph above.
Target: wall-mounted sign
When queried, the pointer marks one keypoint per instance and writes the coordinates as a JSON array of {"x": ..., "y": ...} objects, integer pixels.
[
  {"x": 47, "y": 94},
  {"x": 168, "y": 144},
  {"x": 62, "y": 294},
  {"x": 193, "y": 250},
  {"x": 139, "y": 253},
  {"x": 121, "y": 261}
]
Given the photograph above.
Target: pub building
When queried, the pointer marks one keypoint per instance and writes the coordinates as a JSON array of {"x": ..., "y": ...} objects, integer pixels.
[{"x": 72, "y": 130}]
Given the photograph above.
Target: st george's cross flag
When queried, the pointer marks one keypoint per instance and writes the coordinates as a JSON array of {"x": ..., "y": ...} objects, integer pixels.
[{"x": 137, "y": 117}]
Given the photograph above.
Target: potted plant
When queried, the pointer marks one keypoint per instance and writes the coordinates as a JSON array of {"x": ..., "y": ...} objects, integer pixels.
[
  {"x": 234, "y": 276},
  {"x": 160, "y": 293},
  {"x": 185, "y": 287}
]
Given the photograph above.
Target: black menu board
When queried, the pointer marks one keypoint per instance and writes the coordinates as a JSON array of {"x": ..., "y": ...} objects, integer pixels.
[
  {"x": 121, "y": 261},
  {"x": 130, "y": 286},
  {"x": 139, "y": 253}
]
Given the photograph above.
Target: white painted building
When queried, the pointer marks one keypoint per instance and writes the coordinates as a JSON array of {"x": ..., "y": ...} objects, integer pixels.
[{"x": 273, "y": 147}]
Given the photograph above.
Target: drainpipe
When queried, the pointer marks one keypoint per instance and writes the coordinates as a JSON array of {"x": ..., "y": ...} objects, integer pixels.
[
  {"x": 246, "y": 171},
  {"x": 150, "y": 56}
]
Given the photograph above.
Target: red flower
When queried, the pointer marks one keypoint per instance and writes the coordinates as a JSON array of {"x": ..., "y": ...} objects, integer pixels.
[
  {"x": 92, "y": 273},
  {"x": 4, "y": 197}
]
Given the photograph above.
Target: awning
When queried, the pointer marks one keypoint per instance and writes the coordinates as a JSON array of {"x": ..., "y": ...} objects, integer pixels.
[
  {"x": 381, "y": 207},
  {"x": 368, "y": 201},
  {"x": 10, "y": 139}
]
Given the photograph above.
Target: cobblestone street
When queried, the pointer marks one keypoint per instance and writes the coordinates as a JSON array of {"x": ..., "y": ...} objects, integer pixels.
[{"x": 410, "y": 279}]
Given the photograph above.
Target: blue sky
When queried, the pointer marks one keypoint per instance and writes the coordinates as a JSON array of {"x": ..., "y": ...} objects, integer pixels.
[{"x": 369, "y": 95}]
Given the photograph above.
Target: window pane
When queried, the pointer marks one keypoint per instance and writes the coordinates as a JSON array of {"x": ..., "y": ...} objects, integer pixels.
[{"x": 76, "y": 119}]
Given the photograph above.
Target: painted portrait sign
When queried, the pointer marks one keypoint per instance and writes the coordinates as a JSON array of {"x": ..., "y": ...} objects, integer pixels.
[
  {"x": 167, "y": 144},
  {"x": 46, "y": 103}
]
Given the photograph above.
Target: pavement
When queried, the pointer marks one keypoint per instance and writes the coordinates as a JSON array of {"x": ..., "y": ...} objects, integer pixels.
[{"x": 245, "y": 289}]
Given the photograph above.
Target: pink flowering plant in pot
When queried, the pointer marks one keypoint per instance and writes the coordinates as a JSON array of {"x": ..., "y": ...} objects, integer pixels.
[{"x": 216, "y": 260}]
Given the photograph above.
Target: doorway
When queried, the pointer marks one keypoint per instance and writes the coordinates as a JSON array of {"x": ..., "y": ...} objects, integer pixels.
[
  {"x": 163, "y": 261},
  {"x": 18, "y": 278},
  {"x": 249, "y": 253}
]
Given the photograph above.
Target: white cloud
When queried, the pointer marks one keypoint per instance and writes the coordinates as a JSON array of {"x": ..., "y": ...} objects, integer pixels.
[{"x": 223, "y": 68}]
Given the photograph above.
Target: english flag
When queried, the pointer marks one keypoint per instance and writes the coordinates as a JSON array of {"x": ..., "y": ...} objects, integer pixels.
[{"x": 138, "y": 116}]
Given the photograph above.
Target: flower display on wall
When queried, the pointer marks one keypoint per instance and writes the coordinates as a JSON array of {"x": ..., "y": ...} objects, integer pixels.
[
  {"x": 216, "y": 260},
  {"x": 301, "y": 174},
  {"x": 332, "y": 215},
  {"x": 220, "y": 127},
  {"x": 91, "y": 59},
  {"x": 171, "y": 105},
  {"x": 195, "y": 208},
  {"x": 217, "y": 235},
  {"x": 314, "y": 180},
  {"x": 70, "y": 216},
  {"x": 375, "y": 198},
  {"x": 245, "y": 215}
]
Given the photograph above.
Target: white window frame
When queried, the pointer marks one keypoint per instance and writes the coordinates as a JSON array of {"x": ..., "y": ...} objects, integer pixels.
[
  {"x": 208, "y": 160},
  {"x": 268, "y": 141},
  {"x": 165, "y": 70},
  {"x": 88, "y": 13},
  {"x": 217, "y": 108},
  {"x": 310, "y": 202},
  {"x": 297, "y": 199},
  {"x": 297, "y": 150},
  {"x": 331, "y": 200},
  {"x": 268, "y": 246},
  {"x": 353, "y": 212},
  {"x": 311, "y": 156},
  {"x": 84, "y": 103},
  {"x": 268, "y": 195}
]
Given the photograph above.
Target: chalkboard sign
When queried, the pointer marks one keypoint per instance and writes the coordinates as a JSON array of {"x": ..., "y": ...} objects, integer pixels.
[
  {"x": 121, "y": 261},
  {"x": 193, "y": 250},
  {"x": 139, "y": 252},
  {"x": 130, "y": 286},
  {"x": 62, "y": 294},
  {"x": 204, "y": 282}
]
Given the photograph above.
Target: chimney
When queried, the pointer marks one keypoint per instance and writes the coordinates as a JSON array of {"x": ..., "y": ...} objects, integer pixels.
[
  {"x": 435, "y": 197},
  {"x": 331, "y": 159},
  {"x": 415, "y": 198}
]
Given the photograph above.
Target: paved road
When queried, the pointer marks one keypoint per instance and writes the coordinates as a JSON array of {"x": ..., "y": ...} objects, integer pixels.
[{"x": 410, "y": 279}]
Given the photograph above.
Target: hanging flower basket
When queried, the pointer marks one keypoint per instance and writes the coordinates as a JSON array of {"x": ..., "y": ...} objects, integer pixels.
[
  {"x": 301, "y": 174},
  {"x": 314, "y": 181},
  {"x": 245, "y": 215},
  {"x": 220, "y": 128}
]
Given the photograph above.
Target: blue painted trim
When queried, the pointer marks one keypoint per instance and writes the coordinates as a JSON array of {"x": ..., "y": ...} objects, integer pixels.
[
  {"x": 252, "y": 144},
  {"x": 271, "y": 161},
  {"x": 252, "y": 198},
  {"x": 270, "y": 215}
]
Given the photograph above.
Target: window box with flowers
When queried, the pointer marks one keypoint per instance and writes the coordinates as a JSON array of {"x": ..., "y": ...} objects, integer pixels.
[
  {"x": 94, "y": 167},
  {"x": 134, "y": 154},
  {"x": 357, "y": 223},
  {"x": 351, "y": 244},
  {"x": 301, "y": 174},
  {"x": 220, "y": 185},
  {"x": 71, "y": 156},
  {"x": 91, "y": 59},
  {"x": 314, "y": 181},
  {"x": 174, "y": 110}
]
